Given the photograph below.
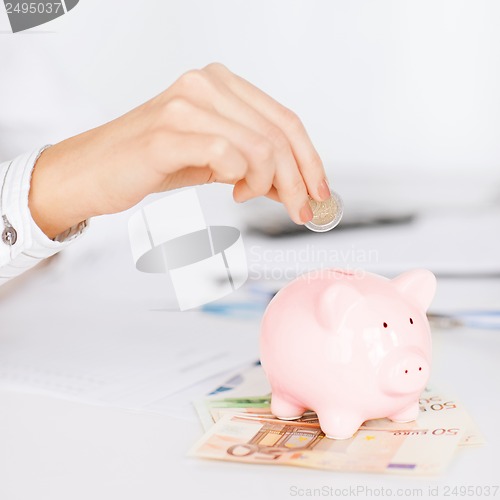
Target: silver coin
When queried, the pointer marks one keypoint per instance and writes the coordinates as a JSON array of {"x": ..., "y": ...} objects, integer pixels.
[{"x": 327, "y": 214}]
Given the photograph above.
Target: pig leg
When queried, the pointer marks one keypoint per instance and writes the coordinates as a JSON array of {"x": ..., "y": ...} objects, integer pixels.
[
  {"x": 284, "y": 409},
  {"x": 407, "y": 415},
  {"x": 339, "y": 424}
]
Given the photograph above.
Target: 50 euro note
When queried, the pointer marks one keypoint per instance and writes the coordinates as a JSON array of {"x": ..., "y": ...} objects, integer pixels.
[
  {"x": 244, "y": 430},
  {"x": 241, "y": 428},
  {"x": 254, "y": 439},
  {"x": 436, "y": 410}
]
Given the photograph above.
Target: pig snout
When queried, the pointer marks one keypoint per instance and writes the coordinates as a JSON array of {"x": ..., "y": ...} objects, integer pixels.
[{"x": 404, "y": 372}]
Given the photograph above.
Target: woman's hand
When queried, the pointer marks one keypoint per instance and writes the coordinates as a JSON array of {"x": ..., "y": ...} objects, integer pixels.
[{"x": 209, "y": 126}]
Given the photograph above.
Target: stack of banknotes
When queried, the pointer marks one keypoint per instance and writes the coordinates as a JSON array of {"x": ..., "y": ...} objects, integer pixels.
[{"x": 239, "y": 427}]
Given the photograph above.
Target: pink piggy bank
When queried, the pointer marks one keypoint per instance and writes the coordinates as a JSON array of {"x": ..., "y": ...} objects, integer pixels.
[{"x": 352, "y": 346}]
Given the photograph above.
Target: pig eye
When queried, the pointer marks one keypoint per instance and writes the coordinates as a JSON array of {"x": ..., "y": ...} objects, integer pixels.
[
  {"x": 411, "y": 321},
  {"x": 385, "y": 324}
]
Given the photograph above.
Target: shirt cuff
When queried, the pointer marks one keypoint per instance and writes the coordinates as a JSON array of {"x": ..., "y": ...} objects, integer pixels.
[{"x": 32, "y": 244}]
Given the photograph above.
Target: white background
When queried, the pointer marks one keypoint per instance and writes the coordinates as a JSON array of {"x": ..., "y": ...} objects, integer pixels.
[{"x": 384, "y": 87}]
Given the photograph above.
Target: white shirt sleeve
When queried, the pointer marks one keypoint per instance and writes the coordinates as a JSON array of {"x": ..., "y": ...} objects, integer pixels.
[{"x": 31, "y": 244}]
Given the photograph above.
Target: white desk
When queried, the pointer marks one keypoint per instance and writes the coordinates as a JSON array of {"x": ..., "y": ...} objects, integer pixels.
[{"x": 53, "y": 449}]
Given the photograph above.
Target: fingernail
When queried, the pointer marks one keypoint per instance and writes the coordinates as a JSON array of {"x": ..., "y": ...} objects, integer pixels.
[
  {"x": 324, "y": 190},
  {"x": 306, "y": 213}
]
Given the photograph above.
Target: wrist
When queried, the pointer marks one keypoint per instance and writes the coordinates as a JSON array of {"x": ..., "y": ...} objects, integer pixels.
[{"x": 54, "y": 197}]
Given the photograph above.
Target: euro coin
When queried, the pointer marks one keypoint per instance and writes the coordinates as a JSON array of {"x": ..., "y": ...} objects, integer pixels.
[{"x": 327, "y": 214}]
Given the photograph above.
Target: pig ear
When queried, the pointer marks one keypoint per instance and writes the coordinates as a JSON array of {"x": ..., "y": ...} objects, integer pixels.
[
  {"x": 418, "y": 285},
  {"x": 334, "y": 302}
]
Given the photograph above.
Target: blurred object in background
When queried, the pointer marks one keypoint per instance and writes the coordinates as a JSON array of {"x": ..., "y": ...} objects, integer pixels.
[
  {"x": 264, "y": 218},
  {"x": 376, "y": 201}
]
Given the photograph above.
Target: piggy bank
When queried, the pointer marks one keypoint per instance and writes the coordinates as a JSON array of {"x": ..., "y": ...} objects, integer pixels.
[{"x": 351, "y": 346}]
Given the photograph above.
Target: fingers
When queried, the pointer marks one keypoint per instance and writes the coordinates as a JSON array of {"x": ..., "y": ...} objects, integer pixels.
[
  {"x": 308, "y": 160},
  {"x": 273, "y": 195},
  {"x": 214, "y": 155},
  {"x": 258, "y": 152},
  {"x": 282, "y": 170},
  {"x": 289, "y": 187},
  {"x": 214, "y": 101},
  {"x": 293, "y": 195}
]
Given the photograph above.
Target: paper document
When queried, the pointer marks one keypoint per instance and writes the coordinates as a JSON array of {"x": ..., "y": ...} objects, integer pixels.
[{"x": 136, "y": 365}]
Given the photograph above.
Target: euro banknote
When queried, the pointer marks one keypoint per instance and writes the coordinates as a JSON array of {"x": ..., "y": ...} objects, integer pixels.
[
  {"x": 240, "y": 427},
  {"x": 253, "y": 439}
]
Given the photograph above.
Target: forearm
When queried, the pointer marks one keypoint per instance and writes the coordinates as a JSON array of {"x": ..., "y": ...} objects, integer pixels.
[
  {"x": 71, "y": 180},
  {"x": 94, "y": 173}
]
